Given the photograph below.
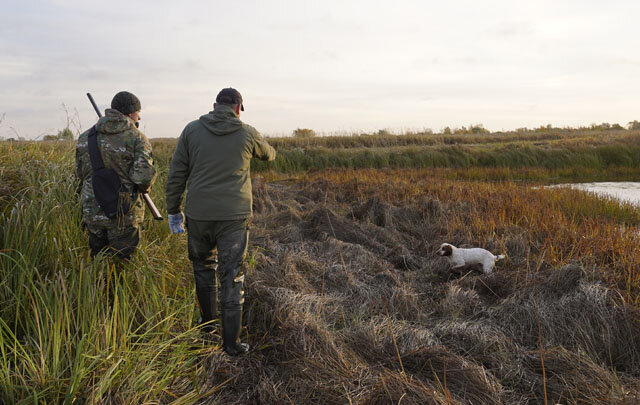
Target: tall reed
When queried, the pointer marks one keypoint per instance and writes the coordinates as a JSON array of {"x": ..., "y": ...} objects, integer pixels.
[{"x": 75, "y": 330}]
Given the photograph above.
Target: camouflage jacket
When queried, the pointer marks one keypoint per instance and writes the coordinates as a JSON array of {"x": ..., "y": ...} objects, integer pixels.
[{"x": 127, "y": 151}]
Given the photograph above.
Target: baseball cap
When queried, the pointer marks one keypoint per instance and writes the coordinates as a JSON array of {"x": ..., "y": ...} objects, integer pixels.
[{"x": 230, "y": 95}]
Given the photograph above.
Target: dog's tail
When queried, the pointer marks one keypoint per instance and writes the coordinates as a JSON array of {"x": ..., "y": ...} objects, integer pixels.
[{"x": 499, "y": 257}]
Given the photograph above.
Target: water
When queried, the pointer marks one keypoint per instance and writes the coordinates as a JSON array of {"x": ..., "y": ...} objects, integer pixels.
[{"x": 623, "y": 191}]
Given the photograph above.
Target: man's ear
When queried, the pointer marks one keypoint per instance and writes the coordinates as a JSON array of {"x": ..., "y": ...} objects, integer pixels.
[{"x": 237, "y": 109}]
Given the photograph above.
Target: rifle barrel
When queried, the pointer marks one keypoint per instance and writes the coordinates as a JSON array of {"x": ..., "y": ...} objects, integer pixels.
[{"x": 93, "y": 103}]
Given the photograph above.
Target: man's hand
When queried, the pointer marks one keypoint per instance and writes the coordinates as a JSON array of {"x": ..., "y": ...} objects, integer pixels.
[{"x": 175, "y": 223}]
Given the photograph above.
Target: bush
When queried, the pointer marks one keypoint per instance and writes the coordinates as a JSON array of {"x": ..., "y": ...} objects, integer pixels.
[
  {"x": 304, "y": 133},
  {"x": 65, "y": 135}
]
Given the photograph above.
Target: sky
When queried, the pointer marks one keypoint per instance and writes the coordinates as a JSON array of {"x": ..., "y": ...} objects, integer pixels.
[{"x": 335, "y": 66}]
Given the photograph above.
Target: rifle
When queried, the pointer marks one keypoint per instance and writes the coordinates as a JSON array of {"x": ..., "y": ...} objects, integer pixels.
[{"x": 145, "y": 196}]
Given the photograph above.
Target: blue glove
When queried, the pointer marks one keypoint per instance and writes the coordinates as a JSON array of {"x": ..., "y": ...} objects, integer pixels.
[{"x": 175, "y": 223}]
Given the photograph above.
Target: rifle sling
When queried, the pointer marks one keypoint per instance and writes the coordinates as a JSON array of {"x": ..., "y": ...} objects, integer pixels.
[{"x": 94, "y": 154}]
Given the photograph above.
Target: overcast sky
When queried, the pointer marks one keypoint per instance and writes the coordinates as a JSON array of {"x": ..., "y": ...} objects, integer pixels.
[{"x": 327, "y": 65}]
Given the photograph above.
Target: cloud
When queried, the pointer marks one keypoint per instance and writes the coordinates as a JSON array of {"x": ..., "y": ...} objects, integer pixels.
[
  {"x": 513, "y": 29},
  {"x": 327, "y": 65}
]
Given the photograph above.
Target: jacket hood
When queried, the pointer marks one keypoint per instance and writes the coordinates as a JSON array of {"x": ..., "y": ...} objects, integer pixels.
[
  {"x": 221, "y": 121},
  {"x": 114, "y": 122}
]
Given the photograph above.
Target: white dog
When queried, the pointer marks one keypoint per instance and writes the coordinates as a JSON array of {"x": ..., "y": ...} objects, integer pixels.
[{"x": 459, "y": 257}]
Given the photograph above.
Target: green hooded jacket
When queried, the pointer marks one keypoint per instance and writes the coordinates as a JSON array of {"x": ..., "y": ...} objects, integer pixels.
[
  {"x": 124, "y": 149},
  {"x": 212, "y": 159}
]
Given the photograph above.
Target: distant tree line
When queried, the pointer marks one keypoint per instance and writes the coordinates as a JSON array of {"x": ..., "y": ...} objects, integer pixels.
[
  {"x": 472, "y": 129},
  {"x": 605, "y": 126},
  {"x": 66, "y": 134},
  {"x": 479, "y": 129}
]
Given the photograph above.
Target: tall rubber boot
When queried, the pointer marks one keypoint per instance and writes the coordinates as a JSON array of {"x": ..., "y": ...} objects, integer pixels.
[
  {"x": 232, "y": 248},
  {"x": 207, "y": 294},
  {"x": 231, "y": 327},
  {"x": 208, "y": 300}
]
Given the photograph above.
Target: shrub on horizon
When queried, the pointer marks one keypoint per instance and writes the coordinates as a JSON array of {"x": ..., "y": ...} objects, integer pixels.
[
  {"x": 65, "y": 135},
  {"x": 303, "y": 133}
]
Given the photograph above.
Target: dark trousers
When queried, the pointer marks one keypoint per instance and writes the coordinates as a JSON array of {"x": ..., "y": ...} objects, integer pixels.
[
  {"x": 121, "y": 240},
  {"x": 230, "y": 239}
]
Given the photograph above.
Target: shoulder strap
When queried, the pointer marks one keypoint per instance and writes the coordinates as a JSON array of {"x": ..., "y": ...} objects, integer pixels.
[{"x": 94, "y": 153}]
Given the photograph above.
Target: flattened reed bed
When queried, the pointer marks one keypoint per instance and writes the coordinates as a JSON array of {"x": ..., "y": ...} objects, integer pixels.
[
  {"x": 562, "y": 226},
  {"x": 572, "y": 378},
  {"x": 484, "y": 324}
]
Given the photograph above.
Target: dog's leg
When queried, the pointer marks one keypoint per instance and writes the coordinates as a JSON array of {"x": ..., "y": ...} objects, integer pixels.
[{"x": 487, "y": 267}]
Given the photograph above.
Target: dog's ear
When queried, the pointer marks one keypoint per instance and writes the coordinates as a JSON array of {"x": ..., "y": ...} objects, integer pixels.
[{"x": 448, "y": 250}]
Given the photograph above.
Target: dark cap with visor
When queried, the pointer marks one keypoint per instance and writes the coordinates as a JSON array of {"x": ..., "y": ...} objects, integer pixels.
[{"x": 230, "y": 96}]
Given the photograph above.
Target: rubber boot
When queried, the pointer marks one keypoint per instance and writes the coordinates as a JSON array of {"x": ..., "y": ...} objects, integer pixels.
[
  {"x": 206, "y": 292},
  {"x": 208, "y": 300},
  {"x": 231, "y": 327},
  {"x": 232, "y": 248}
]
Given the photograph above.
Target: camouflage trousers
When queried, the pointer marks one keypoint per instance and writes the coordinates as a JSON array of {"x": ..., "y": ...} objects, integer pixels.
[
  {"x": 230, "y": 239},
  {"x": 121, "y": 240}
]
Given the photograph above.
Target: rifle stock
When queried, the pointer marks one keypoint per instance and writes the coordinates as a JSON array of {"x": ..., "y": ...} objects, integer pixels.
[{"x": 145, "y": 196}]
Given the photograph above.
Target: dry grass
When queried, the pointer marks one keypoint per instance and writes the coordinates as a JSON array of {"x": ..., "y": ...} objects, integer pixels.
[
  {"x": 333, "y": 248},
  {"x": 346, "y": 300}
]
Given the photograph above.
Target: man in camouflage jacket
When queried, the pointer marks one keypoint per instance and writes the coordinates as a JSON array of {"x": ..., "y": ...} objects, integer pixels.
[
  {"x": 128, "y": 152},
  {"x": 212, "y": 159}
]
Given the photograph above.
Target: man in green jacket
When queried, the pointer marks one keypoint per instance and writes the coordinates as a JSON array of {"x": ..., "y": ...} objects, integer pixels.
[
  {"x": 126, "y": 150},
  {"x": 212, "y": 159}
]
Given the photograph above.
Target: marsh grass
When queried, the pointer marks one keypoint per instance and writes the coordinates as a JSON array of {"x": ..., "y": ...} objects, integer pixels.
[
  {"x": 430, "y": 139},
  {"x": 73, "y": 330},
  {"x": 349, "y": 240},
  {"x": 595, "y": 150},
  {"x": 564, "y": 225},
  {"x": 327, "y": 246},
  {"x": 554, "y": 156},
  {"x": 457, "y": 156}
]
